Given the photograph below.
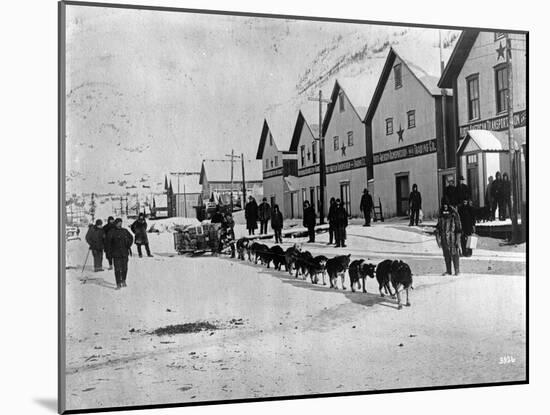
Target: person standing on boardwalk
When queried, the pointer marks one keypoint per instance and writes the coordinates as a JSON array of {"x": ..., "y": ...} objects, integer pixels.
[
  {"x": 489, "y": 201},
  {"x": 467, "y": 220},
  {"x": 331, "y": 220},
  {"x": 463, "y": 191},
  {"x": 366, "y": 206},
  {"x": 110, "y": 225},
  {"x": 95, "y": 238},
  {"x": 341, "y": 223},
  {"x": 448, "y": 233},
  {"x": 277, "y": 223},
  {"x": 450, "y": 193},
  {"x": 264, "y": 214},
  {"x": 118, "y": 243},
  {"x": 309, "y": 220},
  {"x": 415, "y": 204},
  {"x": 251, "y": 215},
  {"x": 506, "y": 196},
  {"x": 496, "y": 190},
  {"x": 139, "y": 228}
]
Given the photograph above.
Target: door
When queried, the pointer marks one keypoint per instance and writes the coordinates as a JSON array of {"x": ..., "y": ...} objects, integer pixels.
[
  {"x": 293, "y": 204},
  {"x": 345, "y": 197},
  {"x": 402, "y": 194},
  {"x": 273, "y": 201},
  {"x": 472, "y": 177},
  {"x": 312, "y": 197}
]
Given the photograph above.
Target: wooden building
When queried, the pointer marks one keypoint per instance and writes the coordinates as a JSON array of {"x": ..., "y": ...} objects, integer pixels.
[
  {"x": 409, "y": 128},
  {"x": 183, "y": 194},
  {"x": 215, "y": 181},
  {"x": 478, "y": 74},
  {"x": 278, "y": 167}
]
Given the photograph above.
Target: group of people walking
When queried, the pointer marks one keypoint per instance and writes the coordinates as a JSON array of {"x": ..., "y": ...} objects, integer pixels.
[{"x": 117, "y": 242}]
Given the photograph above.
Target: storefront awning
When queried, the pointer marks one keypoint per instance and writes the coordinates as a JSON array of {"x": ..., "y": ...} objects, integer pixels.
[{"x": 485, "y": 140}]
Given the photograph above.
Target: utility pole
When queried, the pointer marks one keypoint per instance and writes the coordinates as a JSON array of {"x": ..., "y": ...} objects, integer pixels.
[
  {"x": 244, "y": 183},
  {"x": 322, "y": 167},
  {"x": 92, "y": 208},
  {"x": 121, "y": 210},
  {"x": 231, "y": 191},
  {"x": 233, "y": 157},
  {"x": 511, "y": 146}
]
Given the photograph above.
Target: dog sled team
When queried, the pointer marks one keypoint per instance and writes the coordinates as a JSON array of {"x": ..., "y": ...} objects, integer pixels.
[{"x": 302, "y": 264}]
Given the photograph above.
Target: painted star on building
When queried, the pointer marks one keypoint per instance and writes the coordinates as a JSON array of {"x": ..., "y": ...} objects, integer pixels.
[
  {"x": 400, "y": 134},
  {"x": 500, "y": 51}
]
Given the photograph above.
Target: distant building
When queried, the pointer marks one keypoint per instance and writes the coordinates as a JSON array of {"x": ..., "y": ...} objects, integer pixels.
[
  {"x": 409, "y": 126},
  {"x": 478, "y": 74},
  {"x": 278, "y": 169},
  {"x": 215, "y": 180},
  {"x": 184, "y": 194}
]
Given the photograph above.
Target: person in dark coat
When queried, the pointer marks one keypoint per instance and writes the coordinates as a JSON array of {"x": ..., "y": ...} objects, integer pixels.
[
  {"x": 467, "y": 220},
  {"x": 415, "y": 204},
  {"x": 366, "y": 206},
  {"x": 264, "y": 214},
  {"x": 139, "y": 228},
  {"x": 463, "y": 191},
  {"x": 277, "y": 223},
  {"x": 506, "y": 196},
  {"x": 489, "y": 201},
  {"x": 448, "y": 233},
  {"x": 217, "y": 217},
  {"x": 309, "y": 220},
  {"x": 110, "y": 225},
  {"x": 497, "y": 190},
  {"x": 251, "y": 215},
  {"x": 95, "y": 238},
  {"x": 341, "y": 223},
  {"x": 450, "y": 193},
  {"x": 118, "y": 243},
  {"x": 331, "y": 220}
]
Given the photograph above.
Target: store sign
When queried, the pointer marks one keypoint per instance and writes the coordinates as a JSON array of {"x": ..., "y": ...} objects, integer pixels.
[
  {"x": 306, "y": 171},
  {"x": 347, "y": 165},
  {"x": 272, "y": 173},
  {"x": 413, "y": 150},
  {"x": 495, "y": 124}
]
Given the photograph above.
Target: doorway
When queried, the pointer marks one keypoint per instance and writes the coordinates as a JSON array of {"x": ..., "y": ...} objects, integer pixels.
[
  {"x": 472, "y": 177},
  {"x": 345, "y": 196},
  {"x": 402, "y": 194}
]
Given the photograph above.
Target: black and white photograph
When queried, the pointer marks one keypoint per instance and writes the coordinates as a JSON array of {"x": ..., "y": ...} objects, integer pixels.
[{"x": 259, "y": 207}]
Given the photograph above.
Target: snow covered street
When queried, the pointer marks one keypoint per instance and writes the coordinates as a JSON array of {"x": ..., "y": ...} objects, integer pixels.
[{"x": 274, "y": 335}]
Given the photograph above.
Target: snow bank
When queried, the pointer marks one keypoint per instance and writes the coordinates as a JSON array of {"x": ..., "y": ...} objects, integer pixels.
[{"x": 168, "y": 224}]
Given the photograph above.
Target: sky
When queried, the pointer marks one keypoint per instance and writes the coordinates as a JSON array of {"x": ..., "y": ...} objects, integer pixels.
[{"x": 152, "y": 92}]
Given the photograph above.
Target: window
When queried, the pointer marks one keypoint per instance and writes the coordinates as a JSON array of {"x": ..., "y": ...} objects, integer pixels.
[
  {"x": 336, "y": 143},
  {"x": 267, "y": 163},
  {"x": 471, "y": 159},
  {"x": 276, "y": 160},
  {"x": 303, "y": 154},
  {"x": 341, "y": 100},
  {"x": 271, "y": 163},
  {"x": 389, "y": 126},
  {"x": 499, "y": 35},
  {"x": 304, "y": 195},
  {"x": 411, "y": 119},
  {"x": 314, "y": 152},
  {"x": 350, "y": 138},
  {"x": 397, "y": 76},
  {"x": 270, "y": 139},
  {"x": 501, "y": 84},
  {"x": 473, "y": 97}
]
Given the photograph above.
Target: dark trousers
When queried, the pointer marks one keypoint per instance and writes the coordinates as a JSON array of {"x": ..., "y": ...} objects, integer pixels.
[
  {"x": 502, "y": 209},
  {"x": 109, "y": 258},
  {"x": 415, "y": 213},
  {"x": 251, "y": 231},
  {"x": 311, "y": 233},
  {"x": 367, "y": 217},
  {"x": 330, "y": 233},
  {"x": 278, "y": 237},
  {"x": 340, "y": 235},
  {"x": 451, "y": 259},
  {"x": 98, "y": 259},
  {"x": 263, "y": 226},
  {"x": 121, "y": 269},
  {"x": 146, "y": 249},
  {"x": 463, "y": 241}
]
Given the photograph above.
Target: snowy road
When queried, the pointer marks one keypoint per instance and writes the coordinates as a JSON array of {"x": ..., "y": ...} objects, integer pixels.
[{"x": 295, "y": 337}]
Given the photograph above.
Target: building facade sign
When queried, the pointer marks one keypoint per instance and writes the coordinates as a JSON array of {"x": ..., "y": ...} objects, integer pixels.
[
  {"x": 413, "y": 150},
  {"x": 347, "y": 165},
  {"x": 496, "y": 123},
  {"x": 272, "y": 173},
  {"x": 306, "y": 171}
]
